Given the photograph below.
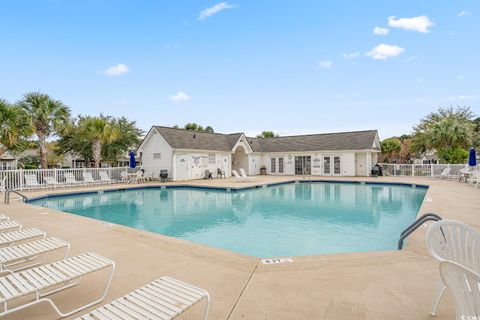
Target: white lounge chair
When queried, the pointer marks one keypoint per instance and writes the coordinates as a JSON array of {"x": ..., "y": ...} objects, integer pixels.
[
  {"x": 104, "y": 177},
  {"x": 4, "y": 217},
  {"x": 88, "y": 178},
  {"x": 26, "y": 288},
  {"x": 31, "y": 181},
  {"x": 9, "y": 225},
  {"x": 51, "y": 181},
  {"x": 475, "y": 178},
  {"x": 11, "y": 257},
  {"x": 238, "y": 177},
  {"x": 10, "y": 238},
  {"x": 165, "y": 298},
  {"x": 450, "y": 240},
  {"x": 465, "y": 286},
  {"x": 71, "y": 180},
  {"x": 445, "y": 174},
  {"x": 244, "y": 175}
]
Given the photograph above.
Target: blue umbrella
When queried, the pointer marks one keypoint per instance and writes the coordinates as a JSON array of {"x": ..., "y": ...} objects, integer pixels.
[
  {"x": 133, "y": 163},
  {"x": 472, "y": 158}
]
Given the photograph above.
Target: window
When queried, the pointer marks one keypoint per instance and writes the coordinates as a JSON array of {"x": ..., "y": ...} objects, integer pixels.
[
  {"x": 336, "y": 165},
  {"x": 157, "y": 155},
  {"x": 273, "y": 166},
  {"x": 280, "y": 165},
  {"x": 211, "y": 158}
]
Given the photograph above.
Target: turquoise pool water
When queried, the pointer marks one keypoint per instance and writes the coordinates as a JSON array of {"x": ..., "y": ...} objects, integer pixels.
[{"x": 283, "y": 220}]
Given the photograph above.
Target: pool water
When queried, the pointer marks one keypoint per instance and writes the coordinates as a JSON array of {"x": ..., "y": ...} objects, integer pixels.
[{"x": 284, "y": 220}]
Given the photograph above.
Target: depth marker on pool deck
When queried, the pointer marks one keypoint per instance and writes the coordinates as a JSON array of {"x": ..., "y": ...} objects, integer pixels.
[{"x": 277, "y": 260}]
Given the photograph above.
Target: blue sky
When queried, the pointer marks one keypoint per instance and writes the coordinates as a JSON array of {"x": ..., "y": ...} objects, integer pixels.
[{"x": 244, "y": 65}]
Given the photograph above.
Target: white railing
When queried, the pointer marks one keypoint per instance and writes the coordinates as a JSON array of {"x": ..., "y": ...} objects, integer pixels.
[
  {"x": 62, "y": 178},
  {"x": 421, "y": 170}
]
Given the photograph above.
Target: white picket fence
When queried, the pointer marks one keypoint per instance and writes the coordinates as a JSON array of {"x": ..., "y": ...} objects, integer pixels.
[
  {"x": 22, "y": 179},
  {"x": 421, "y": 170}
]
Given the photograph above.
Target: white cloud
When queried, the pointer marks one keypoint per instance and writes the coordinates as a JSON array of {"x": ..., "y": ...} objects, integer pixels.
[
  {"x": 213, "y": 10},
  {"x": 325, "y": 64},
  {"x": 462, "y": 98},
  {"x": 379, "y": 31},
  {"x": 419, "y": 24},
  {"x": 116, "y": 70},
  {"x": 180, "y": 97},
  {"x": 384, "y": 51},
  {"x": 463, "y": 13},
  {"x": 351, "y": 55}
]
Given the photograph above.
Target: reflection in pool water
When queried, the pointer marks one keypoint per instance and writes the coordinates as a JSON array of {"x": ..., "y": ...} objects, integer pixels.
[{"x": 283, "y": 220}]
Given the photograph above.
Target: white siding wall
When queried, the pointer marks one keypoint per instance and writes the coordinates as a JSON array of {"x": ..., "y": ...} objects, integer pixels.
[
  {"x": 199, "y": 162},
  {"x": 156, "y": 144}
]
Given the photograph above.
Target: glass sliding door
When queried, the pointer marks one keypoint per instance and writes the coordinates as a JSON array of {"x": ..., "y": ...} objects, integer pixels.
[
  {"x": 303, "y": 165},
  {"x": 326, "y": 165},
  {"x": 336, "y": 165}
]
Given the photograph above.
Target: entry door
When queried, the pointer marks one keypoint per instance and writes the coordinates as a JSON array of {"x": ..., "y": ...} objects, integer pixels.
[
  {"x": 182, "y": 167},
  {"x": 332, "y": 165},
  {"x": 303, "y": 164}
]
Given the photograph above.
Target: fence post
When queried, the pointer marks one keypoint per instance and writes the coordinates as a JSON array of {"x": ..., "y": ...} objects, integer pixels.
[
  {"x": 413, "y": 170},
  {"x": 21, "y": 179},
  {"x": 432, "y": 171}
]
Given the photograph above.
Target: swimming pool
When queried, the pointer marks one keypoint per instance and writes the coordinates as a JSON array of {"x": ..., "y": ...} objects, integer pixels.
[{"x": 282, "y": 220}]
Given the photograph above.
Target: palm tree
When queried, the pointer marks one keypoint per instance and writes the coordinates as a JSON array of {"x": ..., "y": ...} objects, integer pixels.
[
  {"x": 14, "y": 126},
  {"x": 99, "y": 131},
  {"x": 48, "y": 116}
]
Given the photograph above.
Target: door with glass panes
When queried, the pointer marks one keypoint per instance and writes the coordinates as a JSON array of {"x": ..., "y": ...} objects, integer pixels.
[
  {"x": 303, "y": 165},
  {"x": 332, "y": 165}
]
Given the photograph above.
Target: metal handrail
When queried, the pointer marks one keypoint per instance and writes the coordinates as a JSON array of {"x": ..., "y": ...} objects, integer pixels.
[
  {"x": 7, "y": 196},
  {"x": 415, "y": 225}
]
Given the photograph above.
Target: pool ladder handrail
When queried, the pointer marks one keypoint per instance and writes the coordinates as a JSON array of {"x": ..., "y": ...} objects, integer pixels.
[
  {"x": 415, "y": 225},
  {"x": 7, "y": 196}
]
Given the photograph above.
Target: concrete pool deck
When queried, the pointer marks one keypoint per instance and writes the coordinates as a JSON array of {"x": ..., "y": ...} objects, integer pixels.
[{"x": 378, "y": 285}]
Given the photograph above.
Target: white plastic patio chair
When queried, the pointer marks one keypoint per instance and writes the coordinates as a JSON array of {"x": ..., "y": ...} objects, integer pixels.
[
  {"x": 88, "y": 178},
  {"x": 10, "y": 238},
  {"x": 475, "y": 178},
  {"x": 30, "y": 287},
  {"x": 244, "y": 175},
  {"x": 238, "y": 177},
  {"x": 51, "y": 181},
  {"x": 139, "y": 176},
  {"x": 70, "y": 179},
  {"x": 9, "y": 225},
  {"x": 104, "y": 177},
  {"x": 124, "y": 177},
  {"x": 165, "y": 298},
  {"x": 31, "y": 181},
  {"x": 465, "y": 286},
  {"x": 450, "y": 240},
  {"x": 15, "y": 258}
]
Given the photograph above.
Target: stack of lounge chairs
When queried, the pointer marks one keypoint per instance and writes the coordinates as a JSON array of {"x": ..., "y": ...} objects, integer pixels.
[
  {"x": 26, "y": 281},
  {"x": 32, "y": 181}
]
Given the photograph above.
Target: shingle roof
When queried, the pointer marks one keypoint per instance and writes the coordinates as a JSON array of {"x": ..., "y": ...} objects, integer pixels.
[{"x": 185, "y": 139}]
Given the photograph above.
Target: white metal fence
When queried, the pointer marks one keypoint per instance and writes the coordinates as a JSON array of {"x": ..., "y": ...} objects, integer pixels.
[
  {"x": 61, "y": 178},
  {"x": 422, "y": 170}
]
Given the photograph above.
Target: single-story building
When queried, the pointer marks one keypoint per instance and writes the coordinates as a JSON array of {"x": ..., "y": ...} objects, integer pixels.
[
  {"x": 188, "y": 154},
  {"x": 8, "y": 161}
]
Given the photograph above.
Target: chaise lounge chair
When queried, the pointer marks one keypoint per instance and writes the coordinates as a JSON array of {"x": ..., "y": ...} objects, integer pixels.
[
  {"x": 104, "y": 177},
  {"x": 4, "y": 217},
  {"x": 31, "y": 287},
  {"x": 88, "y": 178},
  {"x": 10, "y": 238},
  {"x": 51, "y": 181},
  {"x": 10, "y": 257},
  {"x": 238, "y": 177},
  {"x": 475, "y": 178},
  {"x": 31, "y": 181},
  {"x": 244, "y": 175},
  {"x": 71, "y": 180},
  {"x": 165, "y": 298},
  {"x": 445, "y": 174},
  {"x": 9, "y": 225}
]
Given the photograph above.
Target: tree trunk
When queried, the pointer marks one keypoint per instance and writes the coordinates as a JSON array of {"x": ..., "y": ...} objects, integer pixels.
[
  {"x": 42, "y": 141},
  {"x": 97, "y": 152}
]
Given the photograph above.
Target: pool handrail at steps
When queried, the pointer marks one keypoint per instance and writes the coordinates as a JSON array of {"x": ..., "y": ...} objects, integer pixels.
[
  {"x": 415, "y": 225},
  {"x": 6, "y": 200}
]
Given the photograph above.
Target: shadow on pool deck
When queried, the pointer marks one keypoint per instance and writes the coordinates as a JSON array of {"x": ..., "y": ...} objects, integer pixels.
[{"x": 379, "y": 285}]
